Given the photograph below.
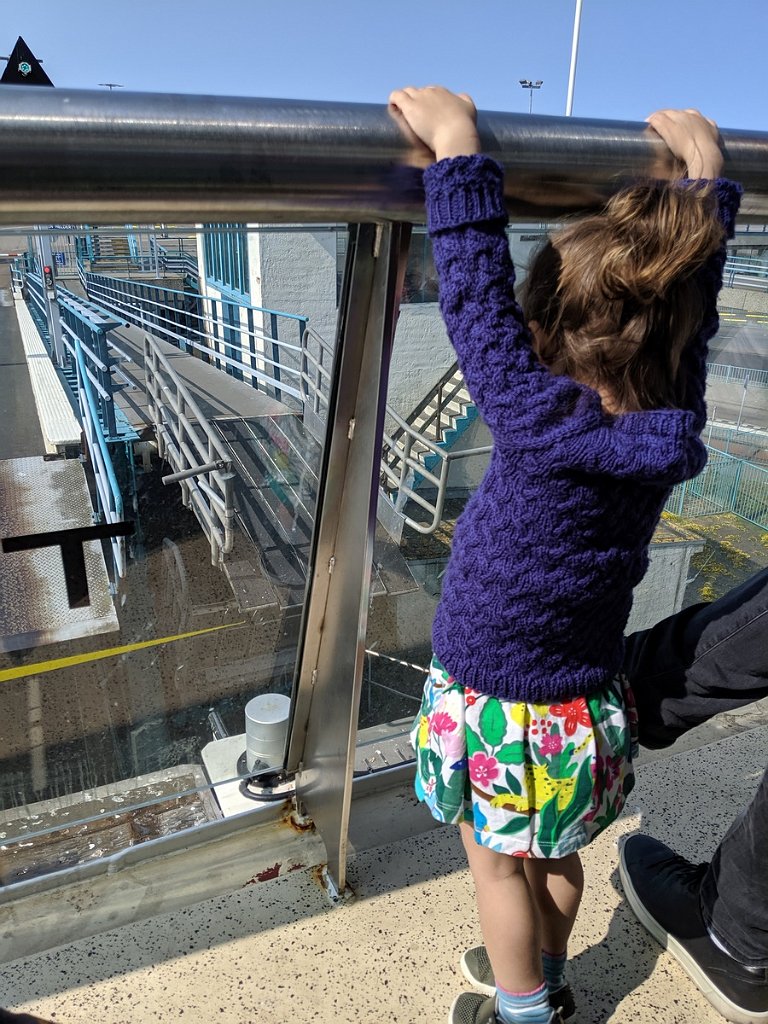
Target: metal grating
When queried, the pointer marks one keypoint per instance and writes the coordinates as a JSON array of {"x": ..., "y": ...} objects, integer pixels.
[{"x": 37, "y": 496}]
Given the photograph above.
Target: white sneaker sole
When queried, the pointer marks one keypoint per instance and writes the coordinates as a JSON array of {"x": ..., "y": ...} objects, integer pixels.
[{"x": 723, "y": 1005}]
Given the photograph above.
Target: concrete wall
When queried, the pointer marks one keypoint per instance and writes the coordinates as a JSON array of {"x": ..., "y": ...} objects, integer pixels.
[
  {"x": 290, "y": 271},
  {"x": 295, "y": 272},
  {"x": 661, "y": 591},
  {"x": 421, "y": 355}
]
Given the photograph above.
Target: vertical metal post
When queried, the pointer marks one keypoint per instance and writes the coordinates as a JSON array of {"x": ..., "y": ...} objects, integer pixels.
[
  {"x": 215, "y": 333},
  {"x": 574, "y": 57},
  {"x": 273, "y": 329},
  {"x": 251, "y": 345},
  {"x": 330, "y": 666},
  {"x": 731, "y": 506},
  {"x": 51, "y": 305},
  {"x": 105, "y": 378},
  {"x": 743, "y": 398}
]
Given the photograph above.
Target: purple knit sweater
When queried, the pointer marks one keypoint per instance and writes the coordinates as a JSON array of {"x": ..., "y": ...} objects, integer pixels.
[{"x": 549, "y": 547}]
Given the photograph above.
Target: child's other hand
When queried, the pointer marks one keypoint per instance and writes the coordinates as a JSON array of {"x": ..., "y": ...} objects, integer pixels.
[
  {"x": 446, "y": 122},
  {"x": 692, "y": 138}
]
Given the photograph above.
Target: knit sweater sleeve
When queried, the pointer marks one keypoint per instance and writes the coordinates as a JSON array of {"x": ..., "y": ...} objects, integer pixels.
[
  {"x": 466, "y": 218},
  {"x": 694, "y": 362}
]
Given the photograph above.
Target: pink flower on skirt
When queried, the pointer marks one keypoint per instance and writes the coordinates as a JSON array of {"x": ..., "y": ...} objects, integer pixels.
[
  {"x": 483, "y": 768},
  {"x": 454, "y": 745},
  {"x": 441, "y": 722},
  {"x": 551, "y": 744}
]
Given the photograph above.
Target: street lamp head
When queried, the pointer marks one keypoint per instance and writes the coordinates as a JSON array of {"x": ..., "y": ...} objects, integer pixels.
[{"x": 530, "y": 86}]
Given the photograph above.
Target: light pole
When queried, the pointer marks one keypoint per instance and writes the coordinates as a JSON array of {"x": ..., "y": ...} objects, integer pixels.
[
  {"x": 574, "y": 55},
  {"x": 530, "y": 86},
  {"x": 111, "y": 85}
]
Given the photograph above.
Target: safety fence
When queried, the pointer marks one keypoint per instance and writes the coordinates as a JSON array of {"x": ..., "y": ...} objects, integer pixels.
[
  {"x": 737, "y": 375},
  {"x": 726, "y": 484},
  {"x": 245, "y": 341}
]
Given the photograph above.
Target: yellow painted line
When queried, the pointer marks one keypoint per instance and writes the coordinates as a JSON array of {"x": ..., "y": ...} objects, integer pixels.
[{"x": 39, "y": 667}]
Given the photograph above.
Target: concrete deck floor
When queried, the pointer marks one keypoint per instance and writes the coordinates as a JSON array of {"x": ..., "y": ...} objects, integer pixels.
[{"x": 279, "y": 952}]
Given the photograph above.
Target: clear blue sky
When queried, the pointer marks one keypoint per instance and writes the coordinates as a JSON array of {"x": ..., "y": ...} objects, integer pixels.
[{"x": 635, "y": 55}]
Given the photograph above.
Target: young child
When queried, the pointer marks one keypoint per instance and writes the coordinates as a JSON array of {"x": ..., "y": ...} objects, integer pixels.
[{"x": 595, "y": 399}]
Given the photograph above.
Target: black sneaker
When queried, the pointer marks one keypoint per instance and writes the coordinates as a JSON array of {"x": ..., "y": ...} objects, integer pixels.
[
  {"x": 476, "y": 968},
  {"x": 663, "y": 890}
]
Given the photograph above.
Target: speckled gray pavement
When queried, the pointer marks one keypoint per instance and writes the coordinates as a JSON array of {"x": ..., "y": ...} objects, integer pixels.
[{"x": 279, "y": 953}]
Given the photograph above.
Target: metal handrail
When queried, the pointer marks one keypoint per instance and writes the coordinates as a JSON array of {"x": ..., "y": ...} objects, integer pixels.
[
  {"x": 315, "y": 372},
  {"x": 194, "y": 446},
  {"x": 737, "y": 268},
  {"x": 108, "y": 489},
  {"x": 746, "y": 264},
  {"x": 206, "y": 339},
  {"x": 404, "y": 467},
  {"x": 737, "y": 375},
  {"x": 125, "y": 156}
]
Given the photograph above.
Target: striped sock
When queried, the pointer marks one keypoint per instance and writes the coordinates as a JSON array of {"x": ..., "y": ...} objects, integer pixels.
[
  {"x": 554, "y": 969},
  {"x": 524, "y": 1007}
]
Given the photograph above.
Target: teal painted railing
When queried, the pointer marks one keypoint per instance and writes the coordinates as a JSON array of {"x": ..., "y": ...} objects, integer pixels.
[{"x": 726, "y": 484}]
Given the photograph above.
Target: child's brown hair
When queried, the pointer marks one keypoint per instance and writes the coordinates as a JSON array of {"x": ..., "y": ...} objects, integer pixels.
[{"x": 616, "y": 294}]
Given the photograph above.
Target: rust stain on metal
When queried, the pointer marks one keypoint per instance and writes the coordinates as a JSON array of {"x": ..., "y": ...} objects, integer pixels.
[
  {"x": 318, "y": 873},
  {"x": 296, "y": 867},
  {"x": 265, "y": 875},
  {"x": 298, "y": 822}
]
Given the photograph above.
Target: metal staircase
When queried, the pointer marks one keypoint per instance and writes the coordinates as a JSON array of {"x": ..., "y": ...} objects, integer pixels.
[{"x": 417, "y": 453}]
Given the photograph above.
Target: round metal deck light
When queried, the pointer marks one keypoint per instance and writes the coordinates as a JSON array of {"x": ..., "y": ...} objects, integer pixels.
[{"x": 266, "y": 729}]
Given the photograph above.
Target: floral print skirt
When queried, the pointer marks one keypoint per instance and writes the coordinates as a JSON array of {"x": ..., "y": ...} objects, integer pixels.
[{"x": 535, "y": 780}]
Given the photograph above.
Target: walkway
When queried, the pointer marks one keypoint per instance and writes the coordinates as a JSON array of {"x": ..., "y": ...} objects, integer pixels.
[
  {"x": 16, "y": 397},
  {"x": 217, "y": 394},
  {"x": 276, "y": 950}
]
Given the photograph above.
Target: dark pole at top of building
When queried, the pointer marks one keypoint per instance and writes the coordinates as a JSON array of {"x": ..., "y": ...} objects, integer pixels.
[{"x": 23, "y": 67}]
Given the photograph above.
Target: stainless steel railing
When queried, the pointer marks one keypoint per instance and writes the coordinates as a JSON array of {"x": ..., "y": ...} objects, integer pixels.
[
  {"x": 103, "y": 157},
  {"x": 201, "y": 462}
]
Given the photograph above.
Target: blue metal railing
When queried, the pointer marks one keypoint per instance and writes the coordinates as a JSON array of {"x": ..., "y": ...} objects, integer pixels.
[
  {"x": 85, "y": 328},
  {"x": 175, "y": 260},
  {"x": 754, "y": 269},
  {"x": 34, "y": 293},
  {"x": 726, "y": 484},
  {"x": 242, "y": 340},
  {"x": 107, "y": 487}
]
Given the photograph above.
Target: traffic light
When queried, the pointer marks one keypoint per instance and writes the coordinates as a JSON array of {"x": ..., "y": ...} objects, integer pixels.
[{"x": 48, "y": 278}]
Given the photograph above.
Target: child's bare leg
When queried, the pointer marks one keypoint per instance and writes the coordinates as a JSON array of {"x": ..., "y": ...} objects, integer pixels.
[
  {"x": 557, "y": 886},
  {"x": 508, "y": 916}
]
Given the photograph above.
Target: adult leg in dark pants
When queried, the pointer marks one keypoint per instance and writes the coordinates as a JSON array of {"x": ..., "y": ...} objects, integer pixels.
[
  {"x": 712, "y": 917},
  {"x": 706, "y": 659}
]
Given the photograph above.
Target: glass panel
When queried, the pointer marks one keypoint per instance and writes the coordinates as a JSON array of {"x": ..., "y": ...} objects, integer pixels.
[
  {"x": 126, "y": 662},
  {"x": 435, "y": 451}
]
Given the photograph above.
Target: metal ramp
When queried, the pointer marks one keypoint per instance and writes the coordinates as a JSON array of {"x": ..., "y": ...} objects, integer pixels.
[
  {"x": 275, "y": 461},
  {"x": 41, "y": 496}
]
